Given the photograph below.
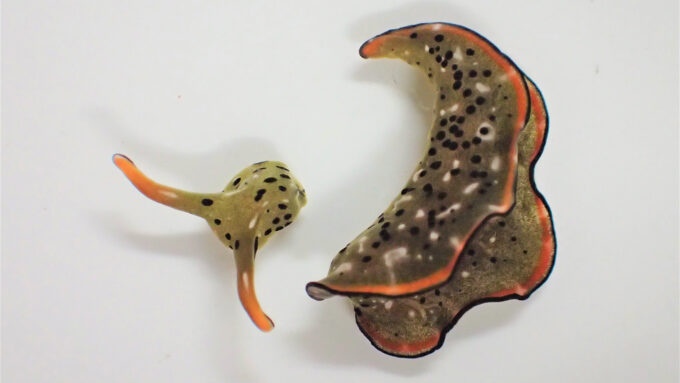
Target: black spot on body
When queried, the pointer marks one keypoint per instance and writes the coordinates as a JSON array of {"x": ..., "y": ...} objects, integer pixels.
[
  {"x": 207, "y": 202},
  {"x": 270, "y": 180}
]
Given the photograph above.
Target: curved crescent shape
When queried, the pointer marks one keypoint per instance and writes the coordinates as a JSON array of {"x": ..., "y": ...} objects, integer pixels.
[
  {"x": 506, "y": 252},
  {"x": 509, "y": 257},
  {"x": 262, "y": 199},
  {"x": 466, "y": 174}
]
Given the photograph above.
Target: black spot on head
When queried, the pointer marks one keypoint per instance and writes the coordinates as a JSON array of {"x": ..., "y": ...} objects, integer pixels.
[
  {"x": 486, "y": 73},
  {"x": 465, "y": 144},
  {"x": 399, "y": 212},
  {"x": 458, "y": 75},
  {"x": 282, "y": 188},
  {"x": 501, "y": 223},
  {"x": 484, "y": 131},
  {"x": 470, "y": 109},
  {"x": 435, "y": 165},
  {"x": 476, "y": 140},
  {"x": 236, "y": 245},
  {"x": 227, "y": 236},
  {"x": 467, "y": 92},
  {"x": 236, "y": 181},
  {"x": 432, "y": 151},
  {"x": 422, "y": 173},
  {"x": 207, "y": 202},
  {"x": 217, "y": 221},
  {"x": 422, "y": 300},
  {"x": 441, "y": 195},
  {"x": 448, "y": 55},
  {"x": 476, "y": 159},
  {"x": 413, "y": 35},
  {"x": 440, "y": 135},
  {"x": 414, "y": 230},
  {"x": 286, "y": 176},
  {"x": 457, "y": 84},
  {"x": 439, "y": 38},
  {"x": 268, "y": 231},
  {"x": 427, "y": 188},
  {"x": 276, "y": 220},
  {"x": 282, "y": 168},
  {"x": 455, "y": 172},
  {"x": 283, "y": 206},
  {"x": 443, "y": 122},
  {"x": 255, "y": 245},
  {"x": 287, "y": 216},
  {"x": 406, "y": 191},
  {"x": 366, "y": 258},
  {"x": 470, "y": 52},
  {"x": 460, "y": 119},
  {"x": 270, "y": 180},
  {"x": 472, "y": 73},
  {"x": 513, "y": 238},
  {"x": 480, "y": 100},
  {"x": 493, "y": 259},
  {"x": 453, "y": 145},
  {"x": 375, "y": 245}
]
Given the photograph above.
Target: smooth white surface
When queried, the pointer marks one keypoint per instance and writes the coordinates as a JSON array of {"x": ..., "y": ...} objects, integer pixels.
[{"x": 100, "y": 284}]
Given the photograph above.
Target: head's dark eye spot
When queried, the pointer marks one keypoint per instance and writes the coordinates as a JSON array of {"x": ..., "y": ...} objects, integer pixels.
[
  {"x": 207, "y": 202},
  {"x": 270, "y": 180}
]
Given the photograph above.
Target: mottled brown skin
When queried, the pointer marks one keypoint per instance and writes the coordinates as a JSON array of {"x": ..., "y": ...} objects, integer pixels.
[
  {"x": 508, "y": 257},
  {"x": 262, "y": 199},
  {"x": 504, "y": 245},
  {"x": 466, "y": 174}
]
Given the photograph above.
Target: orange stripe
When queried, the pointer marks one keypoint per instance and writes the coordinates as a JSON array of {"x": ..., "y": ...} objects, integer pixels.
[
  {"x": 246, "y": 294},
  {"x": 443, "y": 274}
]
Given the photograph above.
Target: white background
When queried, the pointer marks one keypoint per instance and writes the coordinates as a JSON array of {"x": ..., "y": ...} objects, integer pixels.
[{"x": 100, "y": 284}]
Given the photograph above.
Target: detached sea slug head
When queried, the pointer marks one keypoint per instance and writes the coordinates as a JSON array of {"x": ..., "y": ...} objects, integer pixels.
[{"x": 260, "y": 200}]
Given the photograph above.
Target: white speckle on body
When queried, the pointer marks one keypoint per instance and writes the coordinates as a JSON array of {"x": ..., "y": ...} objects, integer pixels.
[
  {"x": 388, "y": 305},
  {"x": 464, "y": 274},
  {"x": 434, "y": 235},
  {"x": 483, "y": 88},
  {"x": 495, "y": 163},
  {"x": 458, "y": 55},
  {"x": 420, "y": 213},
  {"x": 252, "y": 222},
  {"x": 470, "y": 188}
]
